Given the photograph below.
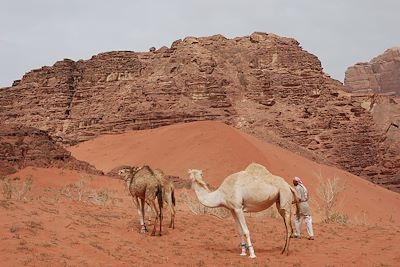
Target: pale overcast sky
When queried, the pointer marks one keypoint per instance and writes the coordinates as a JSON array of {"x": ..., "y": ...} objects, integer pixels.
[{"x": 35, "y": 33}]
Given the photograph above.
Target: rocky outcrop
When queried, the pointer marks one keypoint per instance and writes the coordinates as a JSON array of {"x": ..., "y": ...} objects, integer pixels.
[
  {"x": 263, "y": 84},
  {"x": 195, "y": 79},
  {"x": 380, "y": 75},
  {"x": 26, "y": 146}
]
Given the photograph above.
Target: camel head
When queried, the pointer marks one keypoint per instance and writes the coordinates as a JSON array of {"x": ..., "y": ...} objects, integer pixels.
[
  {"x": 196, "y": 176},
  {"x": 124, "y": 173},
  {"x": 127, "y": 172}
]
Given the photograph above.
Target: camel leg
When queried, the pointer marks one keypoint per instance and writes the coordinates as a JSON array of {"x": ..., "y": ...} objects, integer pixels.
[
  {"x": 172, "y": 223},
  {"x": 289, "y": 230},
  {"x": 140, "y": 208},
  {"x": 171, "y": 212},
  {"x": 286, "y": 215},
  {"x": 149, "y": 211},
  {"x": 157, "y": 219},
  {"x": 240, "y": 230},
  {"x": 246, "y": 232}
]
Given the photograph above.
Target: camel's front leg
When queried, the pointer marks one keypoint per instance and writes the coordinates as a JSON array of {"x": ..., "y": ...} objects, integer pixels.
[
  {"x": 137, "y": 204},
  {"x": 240, "y": 230},
  {"x": 240, "y": 215}
]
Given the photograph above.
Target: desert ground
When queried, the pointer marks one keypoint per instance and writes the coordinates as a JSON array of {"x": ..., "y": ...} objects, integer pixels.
[{"x": 58, "y": 217}]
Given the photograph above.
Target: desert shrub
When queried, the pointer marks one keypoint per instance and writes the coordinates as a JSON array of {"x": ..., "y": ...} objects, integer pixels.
[
  {"x": 329, "y": 190},
  {"x": 99, "y": 197},
  {"x": 337, "y": 217},
  {"x": 79, "y": 191},
  {"x": 75, "y": 191},
  {"x": 15, "y": 188}
]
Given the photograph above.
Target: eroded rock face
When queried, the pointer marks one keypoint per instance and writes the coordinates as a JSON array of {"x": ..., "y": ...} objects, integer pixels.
[
  {"x": 22, "y": 146},
  {"x": 263, "y": 84},
  {"x": 380, "y": 75},
  {"x": 195, "y": 79}
]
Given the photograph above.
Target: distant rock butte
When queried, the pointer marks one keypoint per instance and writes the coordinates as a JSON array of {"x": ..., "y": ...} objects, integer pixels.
[
  {"x": 380, "y": 75},
  {"x": 22, "y": 146},
  {"x": 263, "y": 84}
]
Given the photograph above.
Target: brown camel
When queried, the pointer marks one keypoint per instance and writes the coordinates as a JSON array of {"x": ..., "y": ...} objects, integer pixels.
[
  {"x": 144, "y": 188},
  {"x": 252, "y": 190},
  {"x": 168, "y": 194}
]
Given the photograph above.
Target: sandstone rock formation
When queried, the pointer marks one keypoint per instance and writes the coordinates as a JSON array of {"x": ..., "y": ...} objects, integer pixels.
[
  {"x": 263, "y": 84},
  {"x": 380, "y": 75},
  {"x": 25, "y": 146}
]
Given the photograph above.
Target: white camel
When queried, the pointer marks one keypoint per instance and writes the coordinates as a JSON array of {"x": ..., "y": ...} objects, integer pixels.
[{"x": 252, "y": 190}]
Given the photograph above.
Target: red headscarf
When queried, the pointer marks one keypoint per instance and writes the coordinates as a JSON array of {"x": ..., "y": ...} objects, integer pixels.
[{"x": 297, "y": 179}]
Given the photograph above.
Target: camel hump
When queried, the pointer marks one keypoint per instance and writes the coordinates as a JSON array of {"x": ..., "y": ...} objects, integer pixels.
[
  {"x": 257, "y": 169},
  {"x": 147, "y": 168},
  {"x": 159, "y": 174}
]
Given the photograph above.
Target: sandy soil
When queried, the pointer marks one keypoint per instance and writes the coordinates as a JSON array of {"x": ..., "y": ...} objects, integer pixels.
[
  {"x": 67, "y": 218},
  {"x": 50, "y": 226}
]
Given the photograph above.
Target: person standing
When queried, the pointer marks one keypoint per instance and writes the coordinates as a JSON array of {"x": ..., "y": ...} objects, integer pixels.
[{"x": 304, "y": 210}]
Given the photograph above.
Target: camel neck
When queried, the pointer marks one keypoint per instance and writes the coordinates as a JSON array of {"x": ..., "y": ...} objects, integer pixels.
[{"x": 207, "y": 198}]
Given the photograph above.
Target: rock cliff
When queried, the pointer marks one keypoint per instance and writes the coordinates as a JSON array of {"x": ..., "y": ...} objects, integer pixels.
[
  {"x": 380, "y": 75},
  {"x": 22, "y": 146},
  {"x": 263, "y": 84}
]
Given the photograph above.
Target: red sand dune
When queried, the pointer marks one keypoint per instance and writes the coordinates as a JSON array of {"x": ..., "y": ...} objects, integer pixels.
[{"x": 220, "y": 150}]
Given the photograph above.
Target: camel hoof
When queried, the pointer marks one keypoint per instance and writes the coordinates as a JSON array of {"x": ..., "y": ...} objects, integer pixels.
[
  {"x": 243, "y": 254},
  {"x": 252, "y": 256}
]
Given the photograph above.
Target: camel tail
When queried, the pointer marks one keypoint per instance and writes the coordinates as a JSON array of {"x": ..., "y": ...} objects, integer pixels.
[
  {"x": 296, "y": 200},
  {"x": 160, "y": 196},
  {"x": 173, "y": 197}
]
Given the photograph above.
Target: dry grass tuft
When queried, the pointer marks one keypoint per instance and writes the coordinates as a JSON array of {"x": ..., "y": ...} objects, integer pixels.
[
  {"x": 15, "y": 188},
  {"x": 329, "y": 190},
  {"x": 79, "y": 191}
]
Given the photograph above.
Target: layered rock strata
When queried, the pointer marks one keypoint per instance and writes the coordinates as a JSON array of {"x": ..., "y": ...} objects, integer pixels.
[
  {"x": 380, "y": 75},
  {"x": 263, "y": 84},
  {"x": 22, "y": 146}
]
